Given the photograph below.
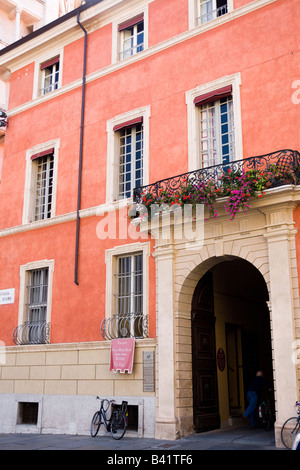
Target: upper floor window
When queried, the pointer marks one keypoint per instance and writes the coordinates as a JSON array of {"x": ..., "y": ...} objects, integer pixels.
[
  {"x": 49, "y": 75},
  {"x": 43, "y": 184},
  {"x": 214, "y": 123},
  {"x": 202, "y": 12},
  {"x": 40, "y": 182},
  {"x": 216, "y": 127},
  {"x": 210, "y": 9},
  {"x": 127, "y": 153},
  {"x": 131, "y": 37},
  {"x": 130, "y": 157}
]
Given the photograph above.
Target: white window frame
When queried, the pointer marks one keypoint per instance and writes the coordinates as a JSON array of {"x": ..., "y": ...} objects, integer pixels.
[
  {"x": 194, "y": 161},
  {"x": 54, "y": 83},
  {"x": 39, "y": 74},
  {"x": 111, "y": 259},
  {"x": 126, "y": 36},
  {"x": 113, "y": 151},
  {"x": 194, "y": 13},
  {"x": 211, "y": 12},
  {"x": 135, "y": 138},
  {"x": 131, "y": 285},
  {"x": 118, "y": 36},
  {"x": 30, "y": 177},
  {"x": 213, "y": 129},
  {"x": 43, "y": 166},
  {"x": 24, "y": 270}
]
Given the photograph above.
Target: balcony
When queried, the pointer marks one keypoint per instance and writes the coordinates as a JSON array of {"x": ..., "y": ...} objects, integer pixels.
[
  {"x": 238, "y": 181},
  {"x": 125, "y": 325},
  {"x": 208, "y": 14},
  {"x": 32, "y": 333}
]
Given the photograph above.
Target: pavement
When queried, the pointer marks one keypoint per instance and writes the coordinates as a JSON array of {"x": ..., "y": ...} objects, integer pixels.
[{"x": 237, "y": 438}]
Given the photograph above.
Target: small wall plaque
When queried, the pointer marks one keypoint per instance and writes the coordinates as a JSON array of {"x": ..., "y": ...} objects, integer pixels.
[
  {"x": 7, "y": 296},
  {"x": 148, "y": 371},
  {"x": 221, "y": 359}
]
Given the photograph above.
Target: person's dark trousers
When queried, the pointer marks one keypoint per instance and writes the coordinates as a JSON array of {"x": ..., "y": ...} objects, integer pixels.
[{"x": 250, "y": 411}]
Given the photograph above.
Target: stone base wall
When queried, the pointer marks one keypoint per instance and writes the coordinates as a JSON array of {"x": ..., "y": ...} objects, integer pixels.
[{"x": 64, "y": 381}]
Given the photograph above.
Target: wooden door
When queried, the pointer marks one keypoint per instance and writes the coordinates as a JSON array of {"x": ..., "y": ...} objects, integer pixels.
[
  {"x": 234, "y": 369},
  {"x": 205, "y": 387}
]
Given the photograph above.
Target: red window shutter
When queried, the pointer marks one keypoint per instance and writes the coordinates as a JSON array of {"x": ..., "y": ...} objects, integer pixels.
[
  {"x": 125, "y": 125},
  {"x": 214, "y": 95},
  {"x": 50, "y": 62},
  {"x": 131, "y": 22},
  {"x": 42, "y": 154}
]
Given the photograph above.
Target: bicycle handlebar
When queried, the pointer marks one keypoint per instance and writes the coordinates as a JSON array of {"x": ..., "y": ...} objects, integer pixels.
[{"x": 110, "y": 401}]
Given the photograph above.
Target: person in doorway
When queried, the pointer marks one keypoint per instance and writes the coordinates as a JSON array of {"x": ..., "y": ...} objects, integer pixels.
[{"x": 256, "y": 387}]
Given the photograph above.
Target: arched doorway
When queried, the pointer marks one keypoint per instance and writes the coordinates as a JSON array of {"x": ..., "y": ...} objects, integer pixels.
[{"x": 231, "y": 340}]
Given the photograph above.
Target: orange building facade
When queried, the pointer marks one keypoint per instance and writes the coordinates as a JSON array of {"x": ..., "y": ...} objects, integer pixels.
[{"x": 115, "y": 96}]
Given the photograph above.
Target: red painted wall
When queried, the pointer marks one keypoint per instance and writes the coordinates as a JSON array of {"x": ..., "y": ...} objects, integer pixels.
[
  {"x": 21, "y": 86},
  {"x": 77, "y": 311},
  {"x": 263, "y": 46}
]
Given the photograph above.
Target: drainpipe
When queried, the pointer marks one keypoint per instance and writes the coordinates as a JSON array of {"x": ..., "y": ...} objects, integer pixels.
[{"x": 80, "y": 152}]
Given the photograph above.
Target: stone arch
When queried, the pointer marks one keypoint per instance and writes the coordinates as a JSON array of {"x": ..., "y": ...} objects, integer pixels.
[
  {"x": 197, "y": 264},
  {"x": 266, "y": 239},
  {"x": 189, "y": 269}
]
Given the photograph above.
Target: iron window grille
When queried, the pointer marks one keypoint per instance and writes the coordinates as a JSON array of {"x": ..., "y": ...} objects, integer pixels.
[
  {"x": 129, "y": 320},
  {"x": 129, "y": 294},
  {"x": 35, "y": 329}
]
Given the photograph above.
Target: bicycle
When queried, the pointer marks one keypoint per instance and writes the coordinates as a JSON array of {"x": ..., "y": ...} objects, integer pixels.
[
  {"x": 291, "y": 428},
  {"x": 116, "y": 424},
  {"x": 266, "y": 412}
]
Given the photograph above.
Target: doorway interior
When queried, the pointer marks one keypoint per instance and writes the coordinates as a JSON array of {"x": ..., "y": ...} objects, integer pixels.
[{"x": 229, "y": 314}]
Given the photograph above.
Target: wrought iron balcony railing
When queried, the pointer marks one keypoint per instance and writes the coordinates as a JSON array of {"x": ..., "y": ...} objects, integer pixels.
[
  {"x": 288, "y": 161},
  {"x": 34, "y": 332},
  {"x": 125, "y": 325},
  {"x": 211, "y": 15}
]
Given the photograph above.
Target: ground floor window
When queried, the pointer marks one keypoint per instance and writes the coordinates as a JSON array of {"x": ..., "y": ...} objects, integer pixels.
[
  {"x": 130, "y": 295},
  {"x": 35, "y": 303},
  {"x": 127, "y": 286}
]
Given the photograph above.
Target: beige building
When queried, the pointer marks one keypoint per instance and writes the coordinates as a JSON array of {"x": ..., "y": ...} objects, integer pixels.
[
  {"x": 244, "y": 275},
  {"x": 18, "y": 19}
]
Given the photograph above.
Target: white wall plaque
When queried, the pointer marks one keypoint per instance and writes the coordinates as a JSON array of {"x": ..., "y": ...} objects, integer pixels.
[{"x": 7, "y": 296}]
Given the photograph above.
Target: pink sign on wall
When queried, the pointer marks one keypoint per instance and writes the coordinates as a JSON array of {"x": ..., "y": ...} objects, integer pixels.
[{"x": 121, "y": 355}]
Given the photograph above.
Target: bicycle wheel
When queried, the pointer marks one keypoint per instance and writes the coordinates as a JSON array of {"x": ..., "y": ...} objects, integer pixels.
[
  {"x": 118, "y": 425},
  {"x": 95, "y": 424},
  {"x": 289, "y": 431}
]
